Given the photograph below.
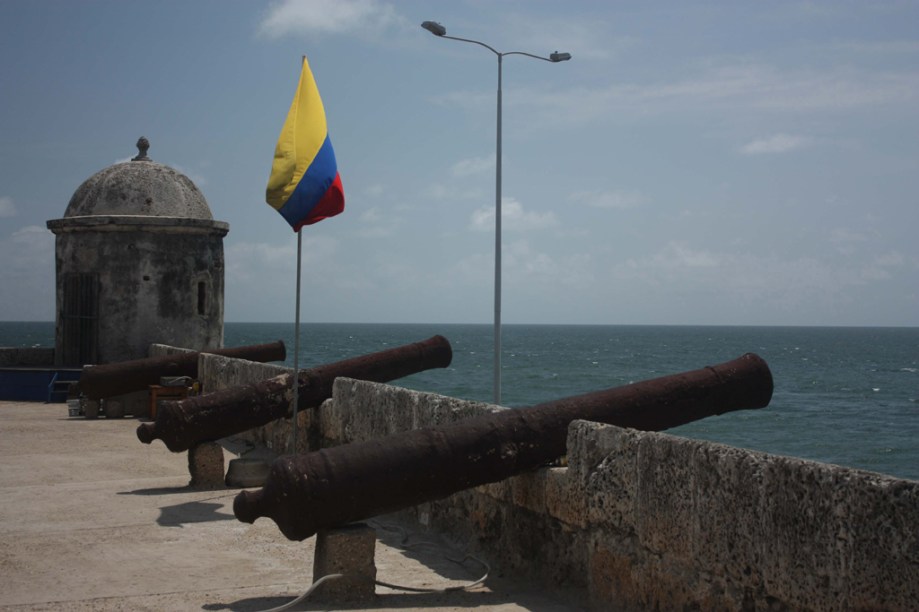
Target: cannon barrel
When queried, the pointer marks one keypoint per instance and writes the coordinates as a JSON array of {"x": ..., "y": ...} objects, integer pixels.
[
  {"x": 111, "y": 379},
  {"x": 206, "y": 418},
  {"x": 352, "y": 482}
]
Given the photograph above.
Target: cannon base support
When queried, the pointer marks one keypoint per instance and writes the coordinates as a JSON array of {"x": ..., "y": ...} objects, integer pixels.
[
  {"x": 347, "y": 550},
  {"x": 91, "y": 409},
  {"x": 244, "y": 473},
  {"x": 205, "y": 464}
]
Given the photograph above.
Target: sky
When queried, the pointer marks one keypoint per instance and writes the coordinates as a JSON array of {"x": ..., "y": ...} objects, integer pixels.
[{"x": 694, "y": 163}]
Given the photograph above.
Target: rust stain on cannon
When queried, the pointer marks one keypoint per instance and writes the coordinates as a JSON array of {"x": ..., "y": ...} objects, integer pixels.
[
  {"x": 182, "y": 424},
  {"x": 352, "y": 482},
  {"x": 111, "y": 379}
]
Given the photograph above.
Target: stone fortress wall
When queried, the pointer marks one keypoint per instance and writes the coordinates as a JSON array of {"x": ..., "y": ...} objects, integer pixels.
[{"x": 643, "y": 520}]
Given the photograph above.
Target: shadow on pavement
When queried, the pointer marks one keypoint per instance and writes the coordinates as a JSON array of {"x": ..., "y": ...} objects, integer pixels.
[
  {"x": 388, "y": 601},
  {"x": 191, "y": 512},
  {"x": 159, "y": 491}
]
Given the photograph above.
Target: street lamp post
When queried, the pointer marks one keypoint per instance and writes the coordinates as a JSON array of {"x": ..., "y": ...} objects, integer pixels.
[{"x": 441, "y": 32}]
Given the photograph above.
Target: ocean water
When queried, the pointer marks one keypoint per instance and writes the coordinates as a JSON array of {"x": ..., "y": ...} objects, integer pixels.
[{"x": 848, "y": 396}]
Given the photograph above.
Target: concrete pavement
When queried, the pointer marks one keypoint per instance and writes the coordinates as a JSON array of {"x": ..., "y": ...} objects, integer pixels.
[{"x": 91, "y": 519}]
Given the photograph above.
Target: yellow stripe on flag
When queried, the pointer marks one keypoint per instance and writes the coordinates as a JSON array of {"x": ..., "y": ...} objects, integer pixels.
[{"x": 301, "y": 137}]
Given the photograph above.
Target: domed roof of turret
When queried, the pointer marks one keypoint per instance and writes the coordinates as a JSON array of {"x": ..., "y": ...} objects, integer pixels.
[{"x": 139, "y": 187}]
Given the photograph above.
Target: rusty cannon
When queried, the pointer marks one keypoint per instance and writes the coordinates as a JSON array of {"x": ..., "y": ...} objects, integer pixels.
[
  {"x": 205, "y": 418},
  {"x": 111, "y": 379},
  {"x": 335, "y": 486}
]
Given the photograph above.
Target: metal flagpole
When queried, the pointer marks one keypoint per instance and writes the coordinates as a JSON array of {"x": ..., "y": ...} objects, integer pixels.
[{"x": 296, "y": 379}]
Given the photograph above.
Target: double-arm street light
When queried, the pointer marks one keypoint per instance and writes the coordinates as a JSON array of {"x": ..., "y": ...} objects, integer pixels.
[{"x": 440, "y": 31}]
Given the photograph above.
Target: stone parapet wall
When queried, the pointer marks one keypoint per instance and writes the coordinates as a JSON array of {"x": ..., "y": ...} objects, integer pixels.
[
  {"x": 160, "y": 350},
  {"x": 361, "y": 410},
  {"x": 674, "y": 521},
  {"x": 218, "y": 372},
  {"x": 26, "y": 357},
  {"x": 643, "y": 520},
  {"x": 647, "y": 520}
]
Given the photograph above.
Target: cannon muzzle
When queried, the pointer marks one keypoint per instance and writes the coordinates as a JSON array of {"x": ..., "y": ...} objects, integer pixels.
[
  {"x": 206, "y": 418},
  {"x": 352, "y": 482},
  {"x": 111, "y": 379}
]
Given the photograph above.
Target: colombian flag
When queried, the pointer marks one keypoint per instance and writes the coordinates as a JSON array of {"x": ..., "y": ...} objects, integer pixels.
[{"x": 304, "y": 185}]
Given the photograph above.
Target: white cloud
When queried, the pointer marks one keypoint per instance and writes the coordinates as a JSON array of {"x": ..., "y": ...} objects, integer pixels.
[
  {"x": 725, "y": 284},
  {"x": 892, "y": 259},
  {"x": 473, "y": 165},
  {"x": 31, "y": 235},
  {"x": 526, "y": 270},
  {"x": 254, "y": 259},
  {"x": 293, "y": 17},
  {"x": 617, "y": 200},
  {"x": 261, "y": 277},
  {"x": 440, "y": 191},
  {"x": 371, "y": 215},
  {"x": 7, "y": 207},
  {"x": 376, "y": 222},
  {"x": 466, "y": 99},
  {"x": 677, "y": 256},
  {"x": 779, "y": 143},
  {"x": 728, "y": 87},
  {"x": 524, "y": 264},
  {"x": 247, "y": 261},
  {"x": 375, "y": 191},
  {"x": 28, "y": 268},
  {"x": 483, "y": 219},
  {"x": 876, "y": 47},
  {"x": 436, "y": 191},
  {"x": 473, "y": 269},
  {"x": 585, "y": 39},
  {"x": 845, "y": 240},
  {"x": 882, "y": 267},
  {"x": 513, "y": 217},
  {"x": 199, "y": 180}
]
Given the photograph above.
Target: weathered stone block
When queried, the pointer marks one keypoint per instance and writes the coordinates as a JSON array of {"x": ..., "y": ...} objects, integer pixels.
[
  {"x": 881, "y": 528},
  {"x": 114, "y": 409},
  {"x": 366, "y": 411},
  {"x": 664, "y": 495},
  {"x": 727, "y": 502},
  {"x": 529, "y": 491},
  {"x": 802, "y": 528},
  {"x": 565, "y": 502},
  {"x": 26, "y": 357},
  {"x": 349, "y": 551},
  {"x": 604, "y": 461},
  {"x": 205, "y": 464},
  {"x": 91, "y": 408},
  {"x": 363, "y": 410},
  {"x": 219, "y": 372},
  {"x": 612, "y": 582},
  {"x": 589, "y": 444},
  {"x": 500, "y": 490}
]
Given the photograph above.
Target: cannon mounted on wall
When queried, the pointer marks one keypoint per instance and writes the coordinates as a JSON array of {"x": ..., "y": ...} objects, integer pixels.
[
  {"x": 335, "y": 486},
  {"x": 112, "y": 379},
  {"x": 205, "y": 418}
]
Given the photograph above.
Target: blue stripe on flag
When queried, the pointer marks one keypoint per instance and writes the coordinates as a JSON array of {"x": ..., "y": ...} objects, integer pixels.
[{"x": 313, "y": 185}]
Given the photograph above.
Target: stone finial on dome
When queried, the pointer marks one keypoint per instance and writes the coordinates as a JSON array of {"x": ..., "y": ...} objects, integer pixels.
[{"x": 142, "y": 145}]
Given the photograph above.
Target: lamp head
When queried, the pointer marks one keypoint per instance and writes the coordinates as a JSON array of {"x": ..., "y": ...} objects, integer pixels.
[
  {"x": 559, "y": 57},
  {"x": 434, "y": 28}
]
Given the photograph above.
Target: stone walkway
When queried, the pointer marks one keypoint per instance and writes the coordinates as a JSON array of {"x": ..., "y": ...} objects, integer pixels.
[{"x": 91, "y": 519}]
